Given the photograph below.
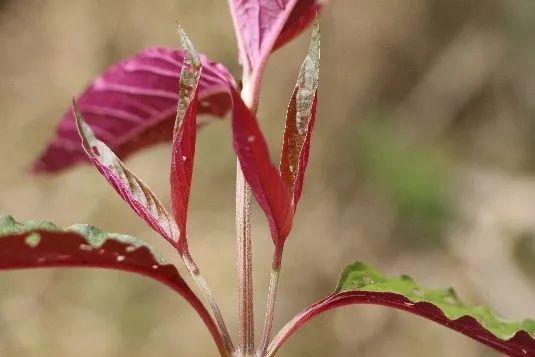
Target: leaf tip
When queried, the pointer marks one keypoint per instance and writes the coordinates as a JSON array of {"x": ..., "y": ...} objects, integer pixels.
[
  {"x": 77, "y": 115},
  {"x": 187, "y": 45}
]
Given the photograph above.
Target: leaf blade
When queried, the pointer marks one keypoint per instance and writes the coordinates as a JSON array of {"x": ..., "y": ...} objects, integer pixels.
[
  {"x": 184, "y": 136},
  {"x": 360, "y": 284},
  {"x": 263, "y": 25},
  {"x": 261, "y": 175},
  {"x": 133, "y": 191},
  {"x": 278, "y": 191},
  {"x": 300, "y": 120},
  {"x": 302, "y": 15},
  {"x": 132, "y": 105},
  {"x": 42, "y": 245}
]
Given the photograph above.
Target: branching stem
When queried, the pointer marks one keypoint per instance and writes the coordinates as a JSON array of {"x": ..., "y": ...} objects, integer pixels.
[
  {"x": 209, "y": 296},
  {"x": 270, "y": 306},
  {"x": 244, "y": 245}
]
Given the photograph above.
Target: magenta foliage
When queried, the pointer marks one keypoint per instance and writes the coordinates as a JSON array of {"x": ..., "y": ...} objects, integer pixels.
[
  {"x": 263, "y": 25},
  {"x": 133, "y": 105},
  {"x": 133, "y": 191},
  {"x": 53, "y": 249}
]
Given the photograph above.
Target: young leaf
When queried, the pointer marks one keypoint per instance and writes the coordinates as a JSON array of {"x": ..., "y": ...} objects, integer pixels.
[
  {"x": 262, "y": 25},
  {"x": 300, "y": 121},
  {"x": 132, "y": 105},
  {"x": 266, "y": 184},
  {"x": 184, "y": 133},
  {"x": 277, "y": 193},
  {"x": 130, "y": 188},
  {"x": 360, "y": 284},
  {"x": 43, "y": 245}
]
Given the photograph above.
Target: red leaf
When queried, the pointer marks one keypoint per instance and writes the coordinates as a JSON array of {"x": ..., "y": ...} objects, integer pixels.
[
  {"x": 263, "y": 178},
  {"x": 295, "y": 152},
  {"x": 277, "y": 193},
  {"x": 183, "y": 150},
  {"x": 302, "y": 15},
  {"x": 132, "y": 105},
  {"x": 262, "y": 25},
  {"x": 133, "y": 191},
  {"x": 300, "y": 122},
  {"x": 86, "y": 247}
]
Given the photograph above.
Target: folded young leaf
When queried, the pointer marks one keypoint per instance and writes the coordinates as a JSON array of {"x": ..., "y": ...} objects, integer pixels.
[
  {"x": 184, "y": 134},
  {"x": 43, "y": 245},
  {"x": 133, "y": 191},
  {"x": 132, "y": 105},
  {"x": 360, "y": 284},
  {"x": 300, "y": 121},
  {"x": 263, "y": 178},
  {"x": 278, "y": 193},
  {"x": 262, "y": 25}
]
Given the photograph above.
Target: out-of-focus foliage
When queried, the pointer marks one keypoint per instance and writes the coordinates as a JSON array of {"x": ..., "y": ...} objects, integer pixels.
[{"x": 414, "y": 181}]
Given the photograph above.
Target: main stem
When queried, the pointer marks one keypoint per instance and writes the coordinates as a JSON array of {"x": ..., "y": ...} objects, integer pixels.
[
  {"x": 245, "y": 265},
  {"x": 244, "y": 248}
]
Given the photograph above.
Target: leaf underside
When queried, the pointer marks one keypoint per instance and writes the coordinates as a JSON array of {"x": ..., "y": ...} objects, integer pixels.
[
  {"x": 264, "y": 25},
  {"x": 35, "y": 244},
  {"x": 133, "y": 190},
  {"x": 360, "y": 284},
  {"x": 302, "y": 15},
  {"x": 132, "y": 105}
]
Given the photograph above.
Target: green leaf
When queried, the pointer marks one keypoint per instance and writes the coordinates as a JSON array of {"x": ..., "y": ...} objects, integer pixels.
[
  {"x": 361, "y": 277},
  {"x": 361, "y": 284}
]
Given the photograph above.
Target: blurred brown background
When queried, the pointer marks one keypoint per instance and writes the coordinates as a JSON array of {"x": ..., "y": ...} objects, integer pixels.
[{"x": 422, "y": 163}]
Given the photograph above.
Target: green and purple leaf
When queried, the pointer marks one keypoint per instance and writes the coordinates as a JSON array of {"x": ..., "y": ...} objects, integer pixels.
[
  {"x": 263, "y": 25},
  {"x": 42, "y": 245},
  {"x": 184, "y": 135},
  {"x": 360, "y": 284},
  {"x": 132, "y": 105},
  {"x": 133, "y": 191}
]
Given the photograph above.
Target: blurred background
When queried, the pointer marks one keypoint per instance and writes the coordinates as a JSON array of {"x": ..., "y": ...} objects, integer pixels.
[{"x": 422, "y": 163}]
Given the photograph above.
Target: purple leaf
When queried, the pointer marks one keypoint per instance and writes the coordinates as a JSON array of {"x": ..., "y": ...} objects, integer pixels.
[
  {"x": 133, "y": 191},
  {"x": 133, "y": 105},
  {"x": 302, "y": 15},
  {"x": 262, "y": 25},
  {"x": 42, "y": 245},
  {"x": 184, "y": 134}
]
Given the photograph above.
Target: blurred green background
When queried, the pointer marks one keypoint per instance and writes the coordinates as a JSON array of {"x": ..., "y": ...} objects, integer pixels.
[{"x": 422, "y": 163}]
